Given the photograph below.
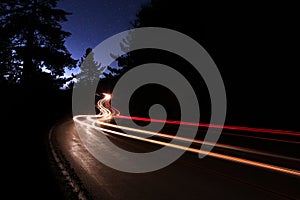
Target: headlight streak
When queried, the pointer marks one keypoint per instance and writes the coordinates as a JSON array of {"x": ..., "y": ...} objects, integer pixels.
[
  {"x": 247, "y": 150},
  {"x": 107, "y": 112},
  {"x": 238, "y": 128},
  {"x": 279, "y": 132}
]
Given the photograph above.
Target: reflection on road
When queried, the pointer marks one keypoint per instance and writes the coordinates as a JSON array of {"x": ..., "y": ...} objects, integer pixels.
[{"x": 101, "y": 124}]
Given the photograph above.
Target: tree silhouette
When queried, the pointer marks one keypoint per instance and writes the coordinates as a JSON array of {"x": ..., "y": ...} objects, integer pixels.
[
  {"x": 90, "y": 69},
  {"x": 188, "y": 18},
  {"x": 32, "y": 39},
  {"x": 252, "y": 45},
  {"x": 125, "y": 62},
  {"x": 5, "y": 49}
]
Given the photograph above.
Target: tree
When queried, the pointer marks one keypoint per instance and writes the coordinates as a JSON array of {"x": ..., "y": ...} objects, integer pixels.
[
  {"x": 90, "y": 69},
  {"x": 33, "y": 40},
  {"x": 5, "y": 51},
  {"x": 188, "y": 18},
  {"x": 197, "y": 20}
]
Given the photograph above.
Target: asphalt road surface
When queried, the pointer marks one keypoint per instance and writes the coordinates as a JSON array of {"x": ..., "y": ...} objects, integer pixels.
[{"x": 187, "y": 178}]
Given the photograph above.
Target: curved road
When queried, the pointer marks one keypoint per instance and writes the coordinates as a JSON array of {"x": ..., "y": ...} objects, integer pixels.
[{"x": 187, "y": 178}]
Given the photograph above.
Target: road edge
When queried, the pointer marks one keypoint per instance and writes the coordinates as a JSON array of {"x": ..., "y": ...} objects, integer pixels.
[{"x": 75, "y": 188}]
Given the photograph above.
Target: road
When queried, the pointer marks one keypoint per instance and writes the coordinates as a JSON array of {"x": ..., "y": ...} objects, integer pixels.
[{"x": 217, "y": 176}]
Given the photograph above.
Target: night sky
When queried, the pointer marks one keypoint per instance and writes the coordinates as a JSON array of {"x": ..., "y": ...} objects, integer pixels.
[{"x": 92, "y": 21}]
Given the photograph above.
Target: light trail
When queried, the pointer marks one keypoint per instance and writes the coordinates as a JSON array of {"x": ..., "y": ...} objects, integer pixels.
[
  {"x": 107, "y": 112},
  {"x": 196, "y": 141},
  {"x": 239, "y": 128},
  {"x": 263, "y": 138},
  {"x": 212, "y": 154}
]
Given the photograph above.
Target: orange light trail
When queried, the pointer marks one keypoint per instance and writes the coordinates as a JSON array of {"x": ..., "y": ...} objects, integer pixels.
[
  {"x": 212, "y": 154},
  {"x": 196, "y": 141},
  {"x": 93, "y": 121},
  {"x": 239, "y": 128}
]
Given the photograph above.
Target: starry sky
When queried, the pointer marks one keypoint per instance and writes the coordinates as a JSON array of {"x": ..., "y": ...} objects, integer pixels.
[{"x": 92, "y": 21}]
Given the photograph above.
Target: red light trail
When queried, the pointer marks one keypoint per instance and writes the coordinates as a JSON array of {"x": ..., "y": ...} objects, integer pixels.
[
  {"x": 100, "y": 124},
  {"x": 238, "y": 128}
]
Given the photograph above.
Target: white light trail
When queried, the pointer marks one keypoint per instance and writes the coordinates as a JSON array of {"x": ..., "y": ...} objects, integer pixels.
[{"x": 98, "y": 122}]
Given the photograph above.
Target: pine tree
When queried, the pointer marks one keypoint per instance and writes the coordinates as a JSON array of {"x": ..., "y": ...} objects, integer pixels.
[
  {"x": 90, "y": 69},
  {"x": 33, "y": 40},
  {"x": 5, "y": 48}
]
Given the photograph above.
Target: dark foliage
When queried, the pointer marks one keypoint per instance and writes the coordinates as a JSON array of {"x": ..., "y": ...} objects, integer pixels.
[
  {"x": 90, "y": 69},
  {"x": 252, "y": 45},
  {"x": 32, "y": 39}
]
